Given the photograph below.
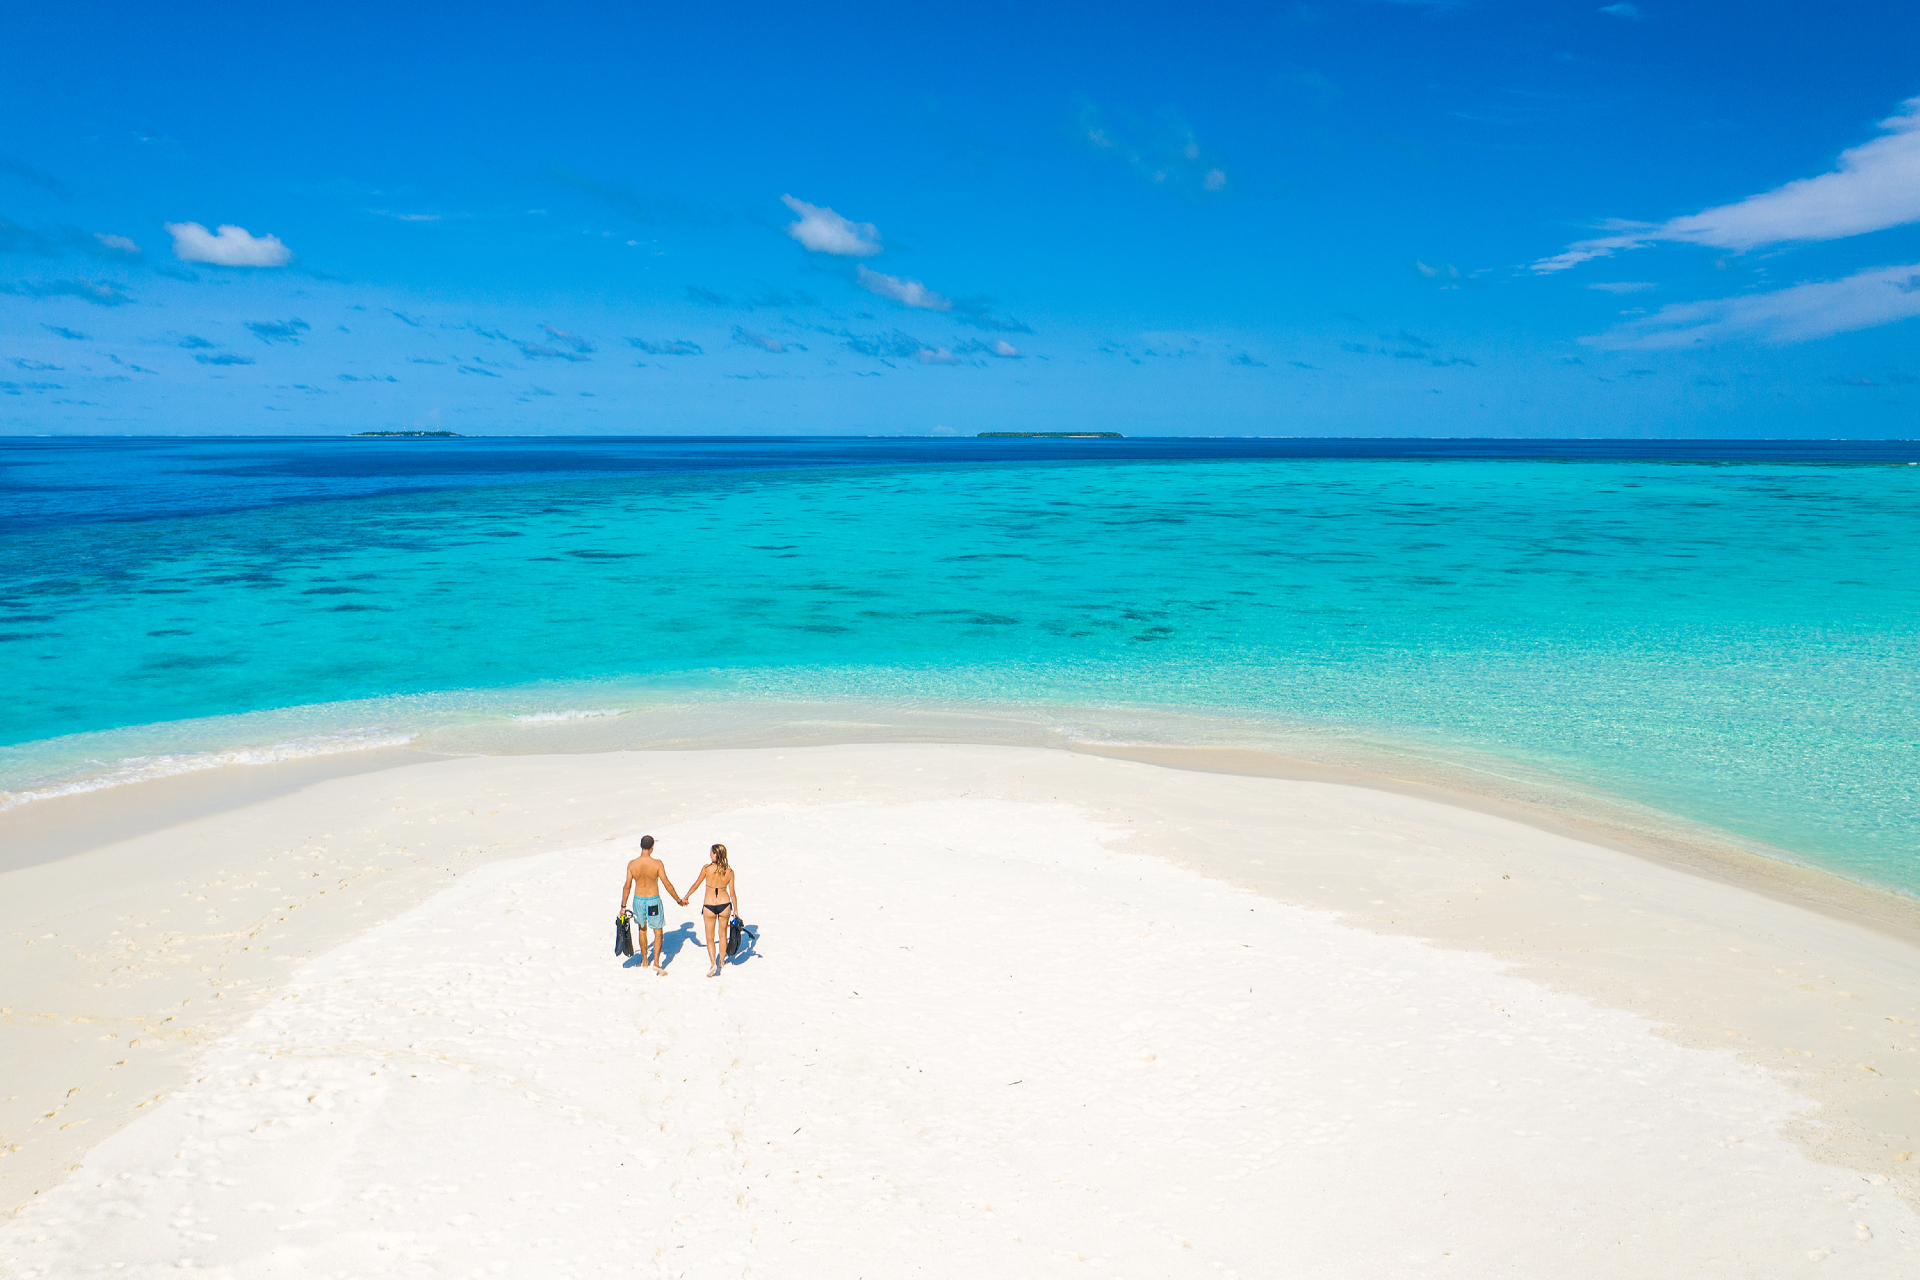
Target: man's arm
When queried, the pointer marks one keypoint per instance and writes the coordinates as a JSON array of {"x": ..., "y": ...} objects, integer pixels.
[
  {"x": 667, "y": 880},
  {"x": 626, "y": 885}
]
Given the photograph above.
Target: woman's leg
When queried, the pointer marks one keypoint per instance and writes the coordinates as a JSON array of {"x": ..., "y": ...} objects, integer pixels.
[
  {"x": 713, "y": 962},
  {"x": 726, "y": 931}
]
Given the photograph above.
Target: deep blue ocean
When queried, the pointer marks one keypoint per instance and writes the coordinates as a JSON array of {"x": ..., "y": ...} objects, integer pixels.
[{"x": 1723, "y": 631}]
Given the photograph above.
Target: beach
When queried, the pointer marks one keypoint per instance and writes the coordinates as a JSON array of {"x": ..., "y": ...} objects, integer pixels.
[{"x": 1033, "y": 1009}]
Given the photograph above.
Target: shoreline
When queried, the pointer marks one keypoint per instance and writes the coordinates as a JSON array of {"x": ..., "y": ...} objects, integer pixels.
[{"x": 60, "y": 825}]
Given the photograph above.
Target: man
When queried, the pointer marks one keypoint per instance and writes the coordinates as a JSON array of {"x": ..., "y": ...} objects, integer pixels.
[{"x": 645, "y": 875}]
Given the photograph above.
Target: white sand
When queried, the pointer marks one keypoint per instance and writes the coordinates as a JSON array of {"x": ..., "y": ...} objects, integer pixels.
[{"x": 991, "y": 1028}]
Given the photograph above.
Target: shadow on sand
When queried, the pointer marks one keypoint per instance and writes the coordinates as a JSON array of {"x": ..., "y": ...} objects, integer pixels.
[
  {"x": 670, "y": 943},
  {"x": 674, "y": 939}
]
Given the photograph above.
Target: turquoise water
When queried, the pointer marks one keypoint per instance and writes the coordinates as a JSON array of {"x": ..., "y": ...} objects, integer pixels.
[{"x": 1731, "y": 643}]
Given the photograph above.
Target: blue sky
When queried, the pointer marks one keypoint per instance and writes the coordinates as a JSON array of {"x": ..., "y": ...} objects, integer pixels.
[{"x": 1339, "y": 217}]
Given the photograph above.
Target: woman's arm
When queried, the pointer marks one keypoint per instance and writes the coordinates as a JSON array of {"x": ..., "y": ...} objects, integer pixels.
[{"x": 698, "y": 880}]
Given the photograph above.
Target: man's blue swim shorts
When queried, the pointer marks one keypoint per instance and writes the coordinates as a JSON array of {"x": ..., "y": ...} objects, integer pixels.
[{"x": 648, "y": 913}]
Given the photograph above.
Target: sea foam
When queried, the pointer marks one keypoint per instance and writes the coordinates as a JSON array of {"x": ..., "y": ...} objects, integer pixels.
[
  {"x": 548, "y": 717},
  {"x": 146, "y": 768}
]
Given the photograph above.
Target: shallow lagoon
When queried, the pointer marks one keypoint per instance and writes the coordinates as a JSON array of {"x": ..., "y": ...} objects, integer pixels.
[{"x": 1732, "y": 641}]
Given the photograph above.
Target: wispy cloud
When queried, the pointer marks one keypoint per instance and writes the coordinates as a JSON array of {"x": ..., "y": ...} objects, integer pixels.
[
  {"x": 908, "y": 293},
  {"x": 1168, "y": 155},
  {"x": 15, "y": 238},
  {"x": 1875, "y": 186},
  {"x": 772, "y": 346},
  {"x": 670, "y": 347},
  {"x": 99, "y": 293},
  {"x": 1402, "y": 345},
  {"x": 278, "y": 330},
  {"x": 1805, "y": 311},
  {"x": 61, "y": 331},
  {"x": 223, "y": 359},
  {"x": 125, "y": 245},
  {"x": 1000, "y": 348},
  {"x": 1624, "y": 11},
  {"x": 535, "y": 351},
  {"x": 1624, "y": 286},
  {"x": 883, "y": 345},
  {"x": 978, "y": 313},
  {"x": 231, "y": 246},
  {"x": 34, "y": 177},
  {"x": 822, "y": 230},
  {"x": 899, "y": 345},
  {"x": 707, "y": 297},
  {"x": 580, "y": 345}
]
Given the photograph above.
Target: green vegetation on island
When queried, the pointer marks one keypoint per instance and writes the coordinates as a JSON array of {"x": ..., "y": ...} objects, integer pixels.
[{"x": 1049, "y": 435}]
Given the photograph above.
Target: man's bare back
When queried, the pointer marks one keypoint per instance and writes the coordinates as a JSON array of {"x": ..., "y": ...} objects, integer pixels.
[{"x": 645, "y": 874}]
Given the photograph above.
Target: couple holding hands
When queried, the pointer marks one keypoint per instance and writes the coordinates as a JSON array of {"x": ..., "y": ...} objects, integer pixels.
[{"x": 645, "y": 875}]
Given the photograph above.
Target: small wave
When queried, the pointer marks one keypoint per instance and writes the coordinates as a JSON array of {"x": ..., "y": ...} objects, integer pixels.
[
  {"x": 547, "y": 717},
  {"x": 146, "y": 768}
]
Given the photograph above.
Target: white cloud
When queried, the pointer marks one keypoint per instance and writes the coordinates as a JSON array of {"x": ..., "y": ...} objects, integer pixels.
[
  {"x": 1624, "y": 286},
  {"x": 232, "y": 247},
  {"x": 824, "y": 231},
  {"x": 1875, "y": 186},
  {"x": 1628, "y": 11},
  {"x": 935, "y": 355},
  {"x": 1005, "y": 349},
  {"x": 120, "y": 243},
  {"x": 1805, "y": 311},
  {"x": 910, "y": 293}
]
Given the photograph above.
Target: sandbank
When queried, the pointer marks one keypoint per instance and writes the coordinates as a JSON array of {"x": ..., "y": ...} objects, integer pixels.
[{"x": 1185, "y": 1021}]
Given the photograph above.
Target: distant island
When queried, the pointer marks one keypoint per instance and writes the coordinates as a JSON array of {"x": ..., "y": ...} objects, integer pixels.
[
  {"x": 1049, "y": 435},
  {"x": 406, "y": 435}
]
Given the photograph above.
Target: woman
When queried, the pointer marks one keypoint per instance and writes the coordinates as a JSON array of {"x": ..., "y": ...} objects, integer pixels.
[{"x": 721, "y": 902}]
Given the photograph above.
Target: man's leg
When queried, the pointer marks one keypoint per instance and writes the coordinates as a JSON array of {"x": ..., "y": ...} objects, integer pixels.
[{"x": 660, "y": 950}]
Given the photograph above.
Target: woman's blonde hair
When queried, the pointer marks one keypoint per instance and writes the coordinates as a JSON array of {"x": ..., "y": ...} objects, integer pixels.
[{"x": 720, "y": 857}]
